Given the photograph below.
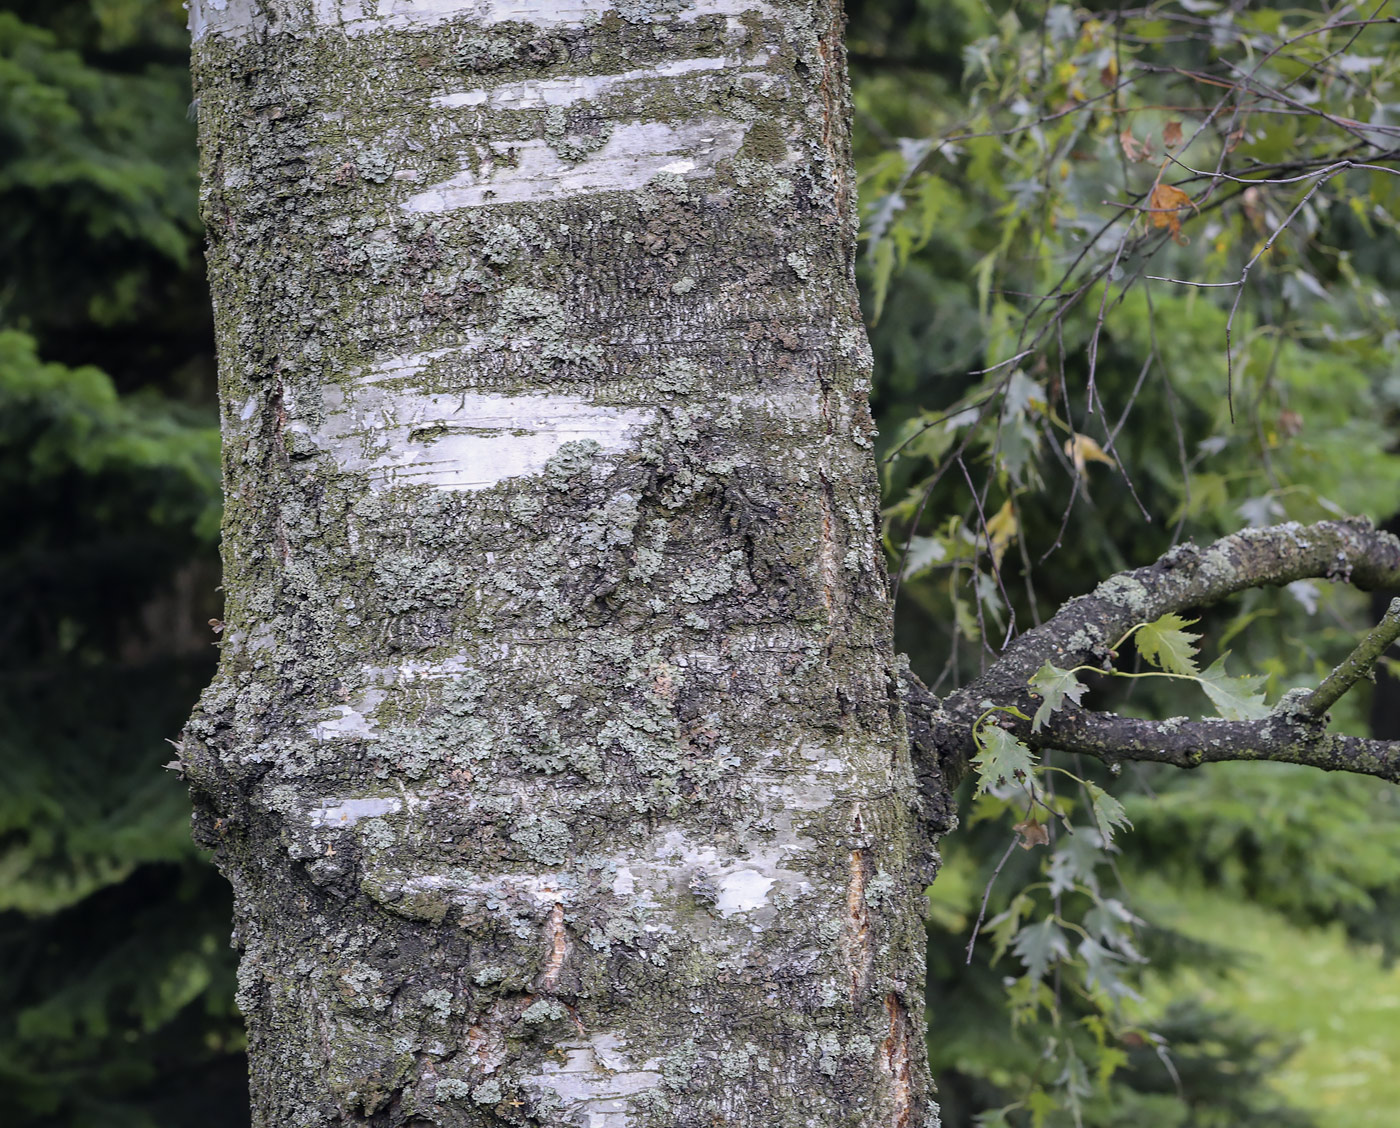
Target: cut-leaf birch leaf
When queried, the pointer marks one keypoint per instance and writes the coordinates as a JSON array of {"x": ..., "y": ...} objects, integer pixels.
[
  {"x": 1001, "y": 759},
  {"x": 1054, "y": 685},
  {"x": 923, "y": 554},
  {"x": 1039, "y": 945},
  {"x": 1167, "y": 646},
  {"x": 1235, "y": 699},
  {"x": 1109, "y": 814}
]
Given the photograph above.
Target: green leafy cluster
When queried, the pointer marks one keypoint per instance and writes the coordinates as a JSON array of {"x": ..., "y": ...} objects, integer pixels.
[
  {"x": 1055, "y": 409},
  {"x": 1064, "y": 924},
  {"x": 1007, "y": 223}
]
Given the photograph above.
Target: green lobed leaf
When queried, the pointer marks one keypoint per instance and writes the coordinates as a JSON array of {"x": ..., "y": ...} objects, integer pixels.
[
  {"x": 1235, "y": 699},
  {"x": 1101, "y": 967},
  {"x": 1039, "y": 945},
  {"x": 1003, "y": 758},
  {"x": 1054, "y": 685},
  {"x": 1075, "y": 862},
  {"x": 1003, "y": 927},
  {"x": 1109, "y": 814},
  {"x": 1040, "y": 1104},
  {"x": 1163, "y": 643},
  {"x": 923, "y": 554}
]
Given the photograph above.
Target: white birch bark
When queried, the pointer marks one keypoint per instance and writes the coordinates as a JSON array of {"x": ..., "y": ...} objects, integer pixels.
[{"x": 556, "y": 755}]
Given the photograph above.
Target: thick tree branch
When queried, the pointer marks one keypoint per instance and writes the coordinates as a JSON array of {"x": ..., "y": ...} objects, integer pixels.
[
  {"x": 1351, "y": 551},
  {"x": 1288, "y": 736},
  {"x": 1085, "y": 630},
  {"x": 937, "y": 773}
]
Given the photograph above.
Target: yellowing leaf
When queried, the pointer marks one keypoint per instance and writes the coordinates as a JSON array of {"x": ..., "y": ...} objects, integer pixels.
[
  {"x": 1164, "y": 206},
  {"x": 1081, "y": 450},
  {"x": 1171, "y": 134},
  {"x": 1002, "y": 528},
  {"x": 1163, "y": 643}
]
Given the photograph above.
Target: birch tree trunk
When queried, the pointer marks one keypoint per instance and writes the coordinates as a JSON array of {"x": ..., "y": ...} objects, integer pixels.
[{"x": 556, "y": 756}]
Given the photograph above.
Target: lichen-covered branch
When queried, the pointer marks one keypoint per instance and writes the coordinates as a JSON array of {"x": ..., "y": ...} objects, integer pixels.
[
  {"x": 1289, "y": 735},
  {"x": 928, "y": 735},
  {"x": 1086, "y": 629}
]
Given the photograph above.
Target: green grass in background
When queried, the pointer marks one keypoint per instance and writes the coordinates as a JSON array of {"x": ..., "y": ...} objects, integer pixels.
[{"x": 1336, "y": 998}]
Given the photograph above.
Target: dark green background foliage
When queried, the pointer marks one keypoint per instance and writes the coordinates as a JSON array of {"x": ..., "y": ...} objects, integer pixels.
[{"x": 115, "y": 975}]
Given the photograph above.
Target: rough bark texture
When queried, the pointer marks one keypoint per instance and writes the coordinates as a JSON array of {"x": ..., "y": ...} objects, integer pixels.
[{"x": 557, "y": 753}]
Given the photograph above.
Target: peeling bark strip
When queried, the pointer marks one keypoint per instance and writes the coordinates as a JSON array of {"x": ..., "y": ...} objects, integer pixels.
[
  {"x": 899, "y": 1062},
  {"x": 558, "y": 655},
  {"x": 859, "y": 956},
  {"x": 558, "y": 943}
]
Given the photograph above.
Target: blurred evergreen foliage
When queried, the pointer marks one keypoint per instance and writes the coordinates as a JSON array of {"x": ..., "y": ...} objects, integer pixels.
[
  {"x": 115, "y": 977},
  {"x": 115, "y": 973}
]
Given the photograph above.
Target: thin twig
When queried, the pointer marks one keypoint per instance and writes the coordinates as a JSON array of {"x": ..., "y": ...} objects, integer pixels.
[
  {"x": 1358, "y": 663},
  {"x": 987, "y": 896}
]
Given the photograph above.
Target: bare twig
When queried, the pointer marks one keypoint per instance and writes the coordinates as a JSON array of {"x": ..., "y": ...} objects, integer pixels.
[{"x": 987, "y": 895}]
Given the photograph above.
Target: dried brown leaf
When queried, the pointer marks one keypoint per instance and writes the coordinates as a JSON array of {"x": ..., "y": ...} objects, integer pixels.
[
  {"x": 1133, "y": 149},
  {"x": 1033, "y": 833},
  {"x": 1164, "y": 206}
]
